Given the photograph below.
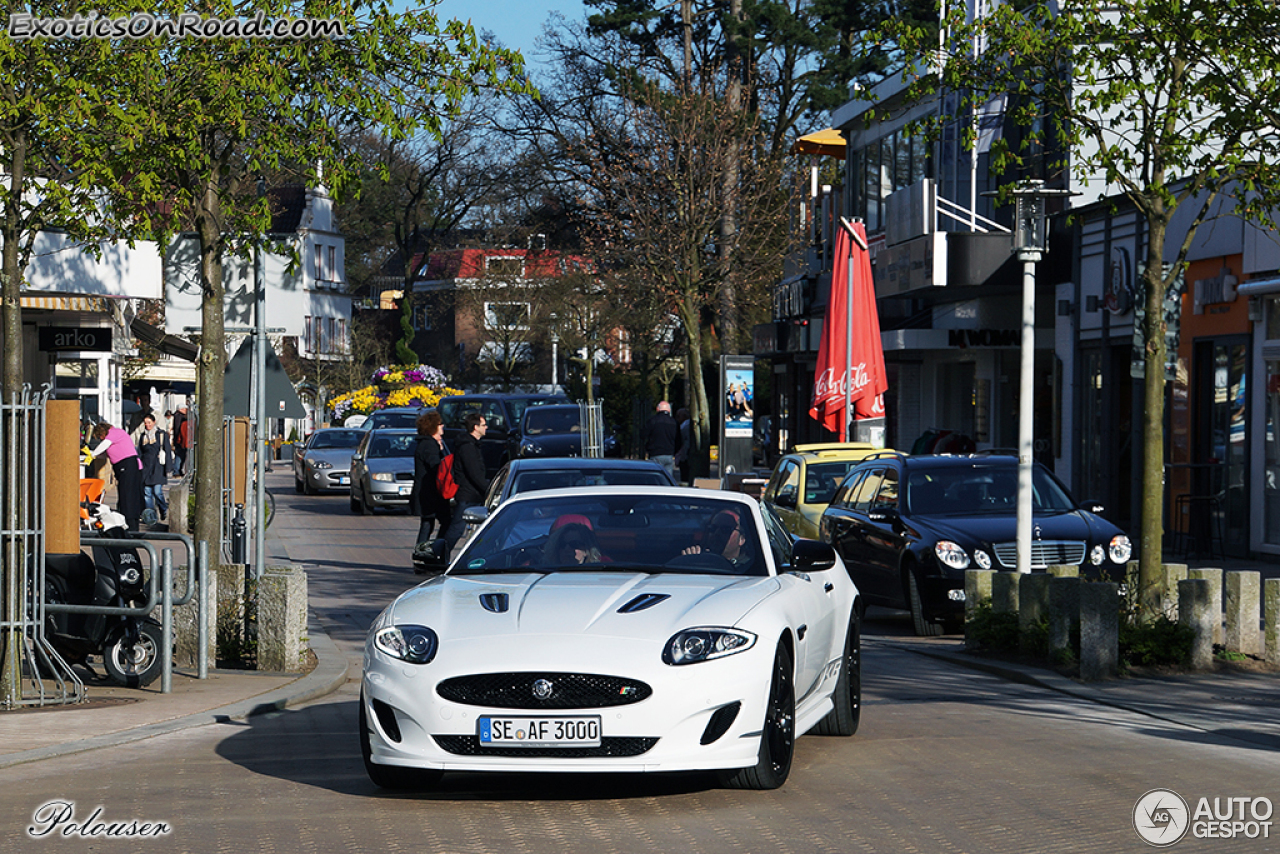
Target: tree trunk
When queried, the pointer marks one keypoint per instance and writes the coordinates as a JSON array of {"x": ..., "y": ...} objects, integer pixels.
[
  {"x": 11, "y": 270},
  {"x": 1152, "y": 524},
  {"x": 728, "y": 303},
  {"x": 209, "y": 375}
]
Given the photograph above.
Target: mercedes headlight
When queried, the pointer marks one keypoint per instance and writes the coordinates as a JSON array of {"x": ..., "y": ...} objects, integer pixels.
[
  {"x": 950, "y": 554},
  {"x": 383, "y": 475},
  {"x": 414, "y": 644},
  {"x": 1120, "y": 549},
  {"x": 693, "y": 645}
]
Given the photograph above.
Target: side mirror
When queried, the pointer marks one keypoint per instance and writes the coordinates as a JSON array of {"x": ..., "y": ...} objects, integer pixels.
[
  {"x": 812, "y": 556},
  {"x": 786, "y": 498},
  {"x": 357, "y": 456},
  {"x": 1094, "y": 507},
  {"x": 475, "y": 515}
]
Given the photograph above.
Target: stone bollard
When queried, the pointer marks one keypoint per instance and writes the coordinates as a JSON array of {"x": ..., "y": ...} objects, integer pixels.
[
  {"x": 1099, "y": 631},
  {"x": 1063, "y": 570},
  {"x": 1195, "y": 611},
  {"x": 177, "y": 517},
  {"x": 1242, "y": 595},
  {"x": 1004, "y": 592},
  {"x": 1271, "y": 613},
  {"x": 977, "y": 589},
  {"x": 1064, "y": 612},
  {"x": 1214, "y": 577},
  {"x": 282, "y": 619},
  {"x": 1170, "y": 575},
  {"x": 1033, "y": 604}
]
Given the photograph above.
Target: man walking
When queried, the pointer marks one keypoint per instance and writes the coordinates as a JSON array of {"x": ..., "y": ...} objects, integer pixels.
[
  {"x": 469, "y": 474},
  {"x": 181, "y": 439},
  {"x": 661, "y": 438}
]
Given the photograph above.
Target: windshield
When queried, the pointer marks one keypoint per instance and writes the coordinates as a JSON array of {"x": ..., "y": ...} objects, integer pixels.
[
  {"x": 545, "y": 419},
  {"x": 337, "y": 439},
  {"x": 622, "y": 533},
  {"x": 822, "y": 479},
  {"x": 392, "y": 419},
  {"x": 531, "y": 481},
  {"x": 394, "y": 445},
  {"x": 980, "y": 489}
]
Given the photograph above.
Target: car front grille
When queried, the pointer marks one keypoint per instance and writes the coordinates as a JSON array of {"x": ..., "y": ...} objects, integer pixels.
[
  {"x": 1043, "y": 553},
  {"x": 530, "y": 691},
  {"x": 469, "y": 745}
]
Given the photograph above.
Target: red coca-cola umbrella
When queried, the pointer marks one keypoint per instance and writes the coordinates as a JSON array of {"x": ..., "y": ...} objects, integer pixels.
[{"x": 850, "y": 370}]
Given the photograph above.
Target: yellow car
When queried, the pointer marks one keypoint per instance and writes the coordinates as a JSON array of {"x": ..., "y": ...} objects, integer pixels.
[{"x": 804, "y": 481}]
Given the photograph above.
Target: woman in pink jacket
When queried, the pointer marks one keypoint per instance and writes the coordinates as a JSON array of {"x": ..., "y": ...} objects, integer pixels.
[{"x": 127, "y": 466}]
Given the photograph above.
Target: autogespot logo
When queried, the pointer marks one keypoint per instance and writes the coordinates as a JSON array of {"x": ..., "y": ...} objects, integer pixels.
[{"x": 1161, "y": 817}]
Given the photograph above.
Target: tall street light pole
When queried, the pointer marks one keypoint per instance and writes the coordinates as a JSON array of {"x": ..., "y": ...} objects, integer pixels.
[
  {"x": 1029, "y": 242},
  {"x": 260, "y": 386}
]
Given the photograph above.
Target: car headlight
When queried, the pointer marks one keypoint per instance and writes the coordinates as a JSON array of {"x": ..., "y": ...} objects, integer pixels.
[
  {"x": 414, "y": 644},
  {"x": 321, "y": 464},
  {"x": 383, "y": 475},
  {"x": 693, "y": 645},
  {"x": 530, "y": 449},
  {"x": 1120, "y": 549},
  {"x": 950, "y": 554},
  {"x": 982, "y": 559}
]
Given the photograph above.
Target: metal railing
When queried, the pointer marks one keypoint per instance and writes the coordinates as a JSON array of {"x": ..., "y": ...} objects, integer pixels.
[{"x": 591, "y": 417}]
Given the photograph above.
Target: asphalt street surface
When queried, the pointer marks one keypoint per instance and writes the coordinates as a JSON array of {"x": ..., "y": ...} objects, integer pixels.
[{"x": 946, "y": 759}]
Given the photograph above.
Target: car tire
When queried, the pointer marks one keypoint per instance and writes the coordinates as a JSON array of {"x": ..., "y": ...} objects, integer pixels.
[
  {"x": 365, "y": 509},
  {"x": 355, "y": 502},
  {"x": 306, "y": 488},
  {"x": 924, "y": 627},
  {"x": 136, "y": 665},
  {"x": 297, "y": 485},
  {"x": 778, "y": 735},
  {"x": 391, "y": 776},
  {"x": 844, "y": 718}
]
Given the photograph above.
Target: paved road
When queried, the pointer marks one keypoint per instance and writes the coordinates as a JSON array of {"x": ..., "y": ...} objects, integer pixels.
[{"x": 947, "y": 759}]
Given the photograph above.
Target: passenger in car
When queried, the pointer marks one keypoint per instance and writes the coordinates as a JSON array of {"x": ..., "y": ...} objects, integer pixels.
[{"x": 572, "y": 541}]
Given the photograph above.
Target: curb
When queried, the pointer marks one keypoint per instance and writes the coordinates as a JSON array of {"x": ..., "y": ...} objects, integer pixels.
[{"x": 329, "y": 674}]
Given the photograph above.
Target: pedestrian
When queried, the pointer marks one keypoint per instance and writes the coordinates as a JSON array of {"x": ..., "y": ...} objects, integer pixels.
[
  {"x": 661, "y": 439},
  {"x": 123, "y": 454},
  {"x": 155, "y": 451},
  {"x": 469, "y": 474},
  {"x": 181, "y": 440},
  {"x": 685, "y": 422},
  {"x": 426, "y": 500},
  {"x": 143, "y": 410}
]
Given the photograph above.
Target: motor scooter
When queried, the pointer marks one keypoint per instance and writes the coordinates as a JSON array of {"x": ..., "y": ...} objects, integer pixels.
[{"x": 130, "y": 646}]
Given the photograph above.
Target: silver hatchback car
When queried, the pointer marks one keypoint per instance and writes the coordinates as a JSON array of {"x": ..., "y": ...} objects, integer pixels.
[
  {"x": 382, "y": 470},
  {"x": 324, "y": 462}
]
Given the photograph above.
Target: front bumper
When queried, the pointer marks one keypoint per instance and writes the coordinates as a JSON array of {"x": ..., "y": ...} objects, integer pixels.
[
  {"x": 663, "y": 732},
  {"x": 389, "y": 494},
  {"x": 328, "y": 479}
]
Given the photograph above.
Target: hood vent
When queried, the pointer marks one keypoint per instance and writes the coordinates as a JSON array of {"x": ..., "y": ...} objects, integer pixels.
[
  {"x": 643, "y": 602},
  {"x": 498, "y": 603}
]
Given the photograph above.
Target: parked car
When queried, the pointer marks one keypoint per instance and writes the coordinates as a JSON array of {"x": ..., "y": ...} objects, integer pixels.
[
  {"x": 324, "y": 462},
  {"x": 569, "y": 633},
  {"x": 803, "y": 481},
  {"x": 382, "y": 470},
  {"x": 908, "y": 527},
  {"x": 535, "y": 473},
  {"x": 398, "y": 417},
  {"x": 502, "y": 413}
]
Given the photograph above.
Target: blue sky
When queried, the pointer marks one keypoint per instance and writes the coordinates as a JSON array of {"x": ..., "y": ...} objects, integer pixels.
[{"x": 516, "y": 23}]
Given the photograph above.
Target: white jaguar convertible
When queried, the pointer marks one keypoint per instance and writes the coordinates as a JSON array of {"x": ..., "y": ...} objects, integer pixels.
[{"x": 615, "y": 629}]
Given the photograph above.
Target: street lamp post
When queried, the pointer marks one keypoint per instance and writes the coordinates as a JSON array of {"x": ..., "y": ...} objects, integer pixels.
[
  {"x": 1029, "y": 242},
  {"x": 260, "y": 388}
]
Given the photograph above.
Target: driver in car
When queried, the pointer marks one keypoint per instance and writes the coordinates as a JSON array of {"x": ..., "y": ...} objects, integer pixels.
[{"x": 723, "y": 536}]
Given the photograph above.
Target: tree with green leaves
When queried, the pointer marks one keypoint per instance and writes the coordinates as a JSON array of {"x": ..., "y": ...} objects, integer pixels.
[
  {"x": 1163, "y": 105},
  {"x": 224, "y": 111}
]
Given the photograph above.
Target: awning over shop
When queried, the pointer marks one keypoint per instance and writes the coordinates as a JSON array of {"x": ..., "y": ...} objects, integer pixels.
[
  {"x": 829, "y": 142},
  {"x": 170, "y": 344},
  {"x": 65, "y": 303}
]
